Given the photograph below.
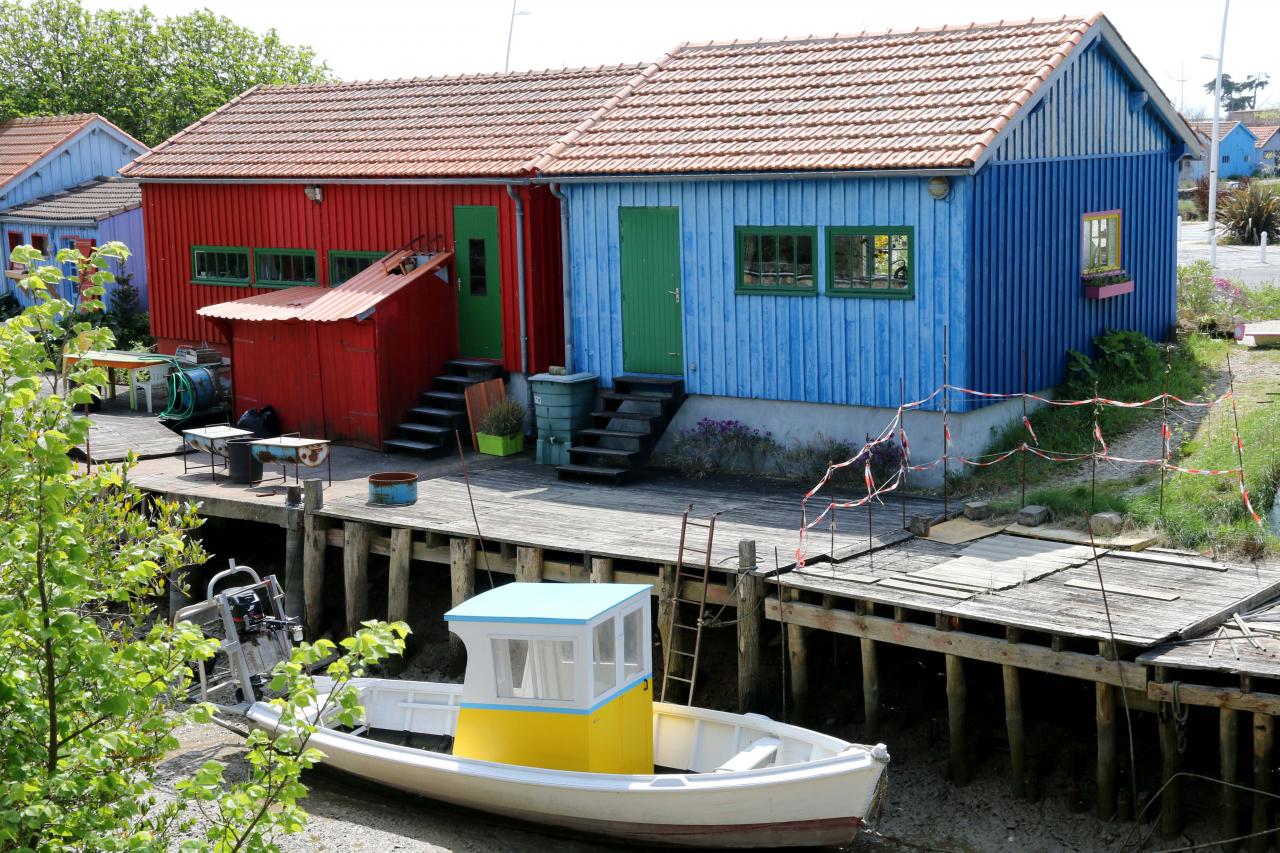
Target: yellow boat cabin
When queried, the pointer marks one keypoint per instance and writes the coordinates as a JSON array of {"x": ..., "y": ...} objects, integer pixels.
[{"x": 558, "y": 676}]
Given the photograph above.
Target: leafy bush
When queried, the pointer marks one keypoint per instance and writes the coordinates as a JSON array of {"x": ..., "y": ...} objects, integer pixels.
[
  {"x": 1189, "y": 210},
  {"x": 126, "y": 319},
  {"x": 713, "y": 445},
  {"x": 1201, "y": 194},
  {"x": 809, "y": 460},
  {"x": 504, "y": 418},
  {"x": 1207, "y": 302},
  {"x": 1251, "y": 211}
]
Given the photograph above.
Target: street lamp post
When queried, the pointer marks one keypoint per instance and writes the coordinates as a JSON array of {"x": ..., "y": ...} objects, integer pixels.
[
  {"x": 1213, "y": 143},
  {"x": 511, "y": 28}
]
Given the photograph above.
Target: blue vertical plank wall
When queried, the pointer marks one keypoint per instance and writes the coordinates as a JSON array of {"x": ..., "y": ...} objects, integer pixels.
[
  {"x": 1089, "y": 146},
  {"x": 95, "y": 152},
  {"x": 814, "y": 349},
  {"x": 57, "y": 237},
  {"x": 127, "y": 228}
]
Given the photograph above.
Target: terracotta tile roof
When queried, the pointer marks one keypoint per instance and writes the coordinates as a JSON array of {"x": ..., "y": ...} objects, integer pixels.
[
  {"x": 1205, "y": 128},
  {"x": 355, "y": 298},
  {"x": 86, "y": 203},
  {"x": 1264, "y": 132},
  {"x": 25, "y": 140},
  {"x": 920, "y": 99},
  {"x": 494, "y": 124}
]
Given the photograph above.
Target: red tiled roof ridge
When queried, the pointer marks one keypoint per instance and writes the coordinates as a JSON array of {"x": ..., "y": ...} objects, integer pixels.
[
  {"x": 82, "y": 118},
  {"x": 920, "y": 30},
  {"x": 445, "y": 78}
]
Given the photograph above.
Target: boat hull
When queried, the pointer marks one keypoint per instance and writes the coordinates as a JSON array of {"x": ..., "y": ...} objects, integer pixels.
[{"x": 811, "y": 803}]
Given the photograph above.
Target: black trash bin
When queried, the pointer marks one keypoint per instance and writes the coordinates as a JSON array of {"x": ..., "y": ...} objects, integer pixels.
[{"x": 243, "y": 468}]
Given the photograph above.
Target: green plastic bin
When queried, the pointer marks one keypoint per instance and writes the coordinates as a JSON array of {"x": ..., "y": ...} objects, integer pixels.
[{"x": 562, "y": 405}]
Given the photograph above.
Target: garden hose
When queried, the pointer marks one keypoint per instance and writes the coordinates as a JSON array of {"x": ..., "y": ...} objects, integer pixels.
[{"x": 180, "y": 388}]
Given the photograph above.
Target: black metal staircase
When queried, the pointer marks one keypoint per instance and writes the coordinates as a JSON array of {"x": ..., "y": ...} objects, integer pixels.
[
  {"x": 430, "y": 426},
  {"x": 626, "y": 426}
]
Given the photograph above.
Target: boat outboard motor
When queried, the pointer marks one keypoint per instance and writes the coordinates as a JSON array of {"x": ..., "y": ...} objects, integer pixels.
[{"x": 246, "y": 613}]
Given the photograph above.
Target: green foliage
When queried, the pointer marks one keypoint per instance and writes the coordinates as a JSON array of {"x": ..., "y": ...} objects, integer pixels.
[
  {"x": 90, "y": 680},
  {"x": 1238, "y": 95},
  {"x": 1208, "y": 302},
  {"x": 1189, "y": 210},
  {"x": 504, "y": 418},
  {"x": 1251, "y": 211},
  {"x": 151, "y": 77},
  {"x": 130, "y": 325}
]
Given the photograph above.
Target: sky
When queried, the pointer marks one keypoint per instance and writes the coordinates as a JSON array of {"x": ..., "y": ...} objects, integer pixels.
[{"x": 380, "y": 39}]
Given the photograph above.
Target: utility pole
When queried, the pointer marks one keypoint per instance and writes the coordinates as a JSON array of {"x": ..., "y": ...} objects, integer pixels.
[{"x": 1213, "y": 144}]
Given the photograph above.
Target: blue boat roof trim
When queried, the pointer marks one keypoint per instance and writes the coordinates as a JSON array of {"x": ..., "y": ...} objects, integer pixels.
[{"x": 546, "y": 603}]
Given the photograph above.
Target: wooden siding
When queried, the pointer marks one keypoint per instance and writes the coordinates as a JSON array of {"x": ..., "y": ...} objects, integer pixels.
[
  {"x": 1027, "y": 296},
  {"x": 94, "y": 152},
  {"x": 809, "y": 348},
  {"x": 1085, "y": 112},
  {"x": 350, "y": 218},
  {"x": 126, "y": 227}
]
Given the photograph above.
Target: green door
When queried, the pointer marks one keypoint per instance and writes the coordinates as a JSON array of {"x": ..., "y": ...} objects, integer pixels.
[
  {"x": 652, "y": 337},
  {"x": 475, "y": 247}
]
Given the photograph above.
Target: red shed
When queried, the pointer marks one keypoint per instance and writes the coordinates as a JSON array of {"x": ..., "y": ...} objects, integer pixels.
[
  {"x": 305, "y": 185},
  {"x": 341, "y": 363}
]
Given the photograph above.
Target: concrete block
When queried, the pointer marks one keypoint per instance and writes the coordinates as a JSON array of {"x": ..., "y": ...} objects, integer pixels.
[
  {"x": 1106, "y": 523},
  {"x": 919, "y": 525},
  {"x": 1033, "y": 515},
  {"x": 977, "y": 510}
]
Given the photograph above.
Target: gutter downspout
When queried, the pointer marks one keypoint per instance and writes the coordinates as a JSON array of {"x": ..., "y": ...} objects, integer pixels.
[
  {"x": 565, "y": 276},
  {"x": 520, "y": 284}
]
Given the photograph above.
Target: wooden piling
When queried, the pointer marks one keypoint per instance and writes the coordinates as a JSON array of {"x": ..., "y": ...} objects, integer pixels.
[
  {"x": 355, "y": 573},
  {"x": 294, "y": 600},
  {"x": 798, "y": 662},
  {"x": 750, "y": 618},
  {"x": 666, "y": 600},
  {"x": 1013, "y": 723},
  {"x": 956, "y": 694},
  {"x": 1105, "y": 713},
  {"x": 1263, "y": 740},
  {"x": 398, "y": 574},
  {"x": 315, "y": 542},
  {"x": 1229, "y": 763},
  {"x": 528, "y": 564},
  {"x": 870, "y": 681},
  {"x": 601, "y": 569},
  {"x": 1170, "y": 801},
  {"x": 462, "y": 582}
]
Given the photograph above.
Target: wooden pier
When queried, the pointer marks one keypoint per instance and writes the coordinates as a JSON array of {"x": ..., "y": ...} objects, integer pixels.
[{"x": 1022, "y": 604}]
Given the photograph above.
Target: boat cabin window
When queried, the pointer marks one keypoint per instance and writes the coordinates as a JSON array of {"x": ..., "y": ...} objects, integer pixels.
[
  {"x": 604, "y": 657},
  {"x": 632, "y": 644},
  {"x": 534, "y": 669}
]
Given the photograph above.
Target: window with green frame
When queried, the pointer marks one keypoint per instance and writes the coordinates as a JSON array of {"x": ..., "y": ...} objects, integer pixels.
[
  {"x": 871, "y": 261},
  {"x": 284, "y": 267},
  {"x": 776, "y": 260},
  {"x": 344, "y": 265},
  {"x": 220, "y": 264}
]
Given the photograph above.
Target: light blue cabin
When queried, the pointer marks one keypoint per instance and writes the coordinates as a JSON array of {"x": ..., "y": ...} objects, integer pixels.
[
  {"x": 810, "y": 232},
  {"x": 1238, "y": 155},
  {"x": 42, "y": 155}
]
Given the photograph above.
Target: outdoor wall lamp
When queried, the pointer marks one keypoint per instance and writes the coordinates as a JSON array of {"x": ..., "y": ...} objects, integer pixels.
[
  {"x": 939, "y": 187},
  {"x": 314, "y": 192}
]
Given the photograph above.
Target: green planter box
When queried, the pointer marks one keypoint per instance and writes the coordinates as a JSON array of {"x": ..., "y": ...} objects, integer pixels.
[{"x": 500, "y": 445}]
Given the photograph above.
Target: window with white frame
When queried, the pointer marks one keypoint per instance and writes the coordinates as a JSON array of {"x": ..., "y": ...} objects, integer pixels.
[{"x": 534, "y": 668}]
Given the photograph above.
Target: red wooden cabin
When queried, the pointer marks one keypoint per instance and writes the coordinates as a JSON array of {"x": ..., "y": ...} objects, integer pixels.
[{"x": 305, "y": 185}]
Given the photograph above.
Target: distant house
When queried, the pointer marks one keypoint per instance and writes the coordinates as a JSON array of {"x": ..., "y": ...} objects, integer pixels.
[
  {"x": 1268, "y": 148},
  {"x": 1237, "y": 154},
  {"x": 88, "y": 215},
  {"x": 307, "y": 185},
  {"x": 808, "y": 232},
  {"x": 45, "y": 154}
]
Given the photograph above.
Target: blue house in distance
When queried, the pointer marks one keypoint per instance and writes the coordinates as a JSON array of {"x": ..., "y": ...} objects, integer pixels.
[
  {"x": 1238, "y": 155},
  {"x": 808, "y": 232}
]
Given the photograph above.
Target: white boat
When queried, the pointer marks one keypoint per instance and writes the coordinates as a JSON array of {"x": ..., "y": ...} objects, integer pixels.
[
  {"x": 555, "y": 724},
  {"x": 732, "y": 780}
]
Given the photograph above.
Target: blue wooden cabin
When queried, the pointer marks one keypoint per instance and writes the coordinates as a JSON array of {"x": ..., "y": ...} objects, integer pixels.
[
  {"x": 91, "y": 214},
  {"x": 41, "y": 155},
  {"x": 804, "y": 230},
  {"x": 1238, "y": 156}
]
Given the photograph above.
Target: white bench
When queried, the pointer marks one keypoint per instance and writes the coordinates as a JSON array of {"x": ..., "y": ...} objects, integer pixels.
[{"x": 757, "y": 754}]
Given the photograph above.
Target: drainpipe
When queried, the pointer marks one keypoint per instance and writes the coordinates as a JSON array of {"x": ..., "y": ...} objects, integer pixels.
[
  {"x": 565, "y": 277},
  {"x": 524, "y": 326}
]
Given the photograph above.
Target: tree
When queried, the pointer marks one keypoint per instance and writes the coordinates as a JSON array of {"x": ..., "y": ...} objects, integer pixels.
[
  {"x": 151, "y": 77},
  {"x": 1242, "y": 95},
  {"x": 92, "y": 685}
]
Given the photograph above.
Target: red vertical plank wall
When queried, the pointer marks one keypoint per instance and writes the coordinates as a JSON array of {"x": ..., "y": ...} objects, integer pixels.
[
  {"x": 276, "y": 366},
  {"x": 351, "y": 217}
]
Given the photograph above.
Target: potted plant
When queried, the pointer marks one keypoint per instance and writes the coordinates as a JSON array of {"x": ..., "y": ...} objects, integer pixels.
[
  {"x": 501, "y": 430},
  {"x": 1102, "y": 284}
]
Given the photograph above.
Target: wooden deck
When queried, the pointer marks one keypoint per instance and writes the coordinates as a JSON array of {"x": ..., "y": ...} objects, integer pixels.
[{"x": 117, "y": 430}]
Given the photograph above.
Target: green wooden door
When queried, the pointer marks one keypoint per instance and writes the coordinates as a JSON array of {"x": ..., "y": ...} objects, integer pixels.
[
  {"x": 652, "y": 336},
  {"x": 475, "y": 247}
]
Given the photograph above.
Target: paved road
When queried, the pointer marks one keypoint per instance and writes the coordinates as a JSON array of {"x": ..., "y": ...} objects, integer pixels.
[{"x": 1241, "y": 263}]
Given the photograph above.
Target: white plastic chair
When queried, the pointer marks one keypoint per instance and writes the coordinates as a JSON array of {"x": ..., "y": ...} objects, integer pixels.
[{"x": 157, "y": 377}]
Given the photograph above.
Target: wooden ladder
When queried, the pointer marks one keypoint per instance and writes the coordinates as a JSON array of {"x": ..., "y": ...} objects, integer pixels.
[{"x": 685, "y": 615}]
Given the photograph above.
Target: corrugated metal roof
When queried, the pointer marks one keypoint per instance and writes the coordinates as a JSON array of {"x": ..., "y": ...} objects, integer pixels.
[
  {"x": 353, "y": 299},
  {"x": 23, "y": 141},
  {"x": 87, "y": 203},
  {"x": 919, "y": 99},
  {"x": 477, "y": 125}
]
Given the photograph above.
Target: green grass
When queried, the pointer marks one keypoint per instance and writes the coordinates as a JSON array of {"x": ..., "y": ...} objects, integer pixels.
[{"x": 1070, "y": 429}]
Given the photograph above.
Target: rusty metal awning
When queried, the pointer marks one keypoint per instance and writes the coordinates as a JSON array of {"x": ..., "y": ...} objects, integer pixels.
[{"x": 354, "y": 299}]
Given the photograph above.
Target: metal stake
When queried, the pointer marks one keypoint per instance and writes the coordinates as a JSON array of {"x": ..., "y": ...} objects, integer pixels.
[
  {"x": 1022, "y": 457},
  {"x": 1164, "y": 425},
  {"x": 946, "y": 399}
]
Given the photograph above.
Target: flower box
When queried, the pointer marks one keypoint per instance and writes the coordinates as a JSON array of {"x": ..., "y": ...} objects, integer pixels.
[
  {"x": 500, "y": 445},
  {"x": 1107, "y": 285}
]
